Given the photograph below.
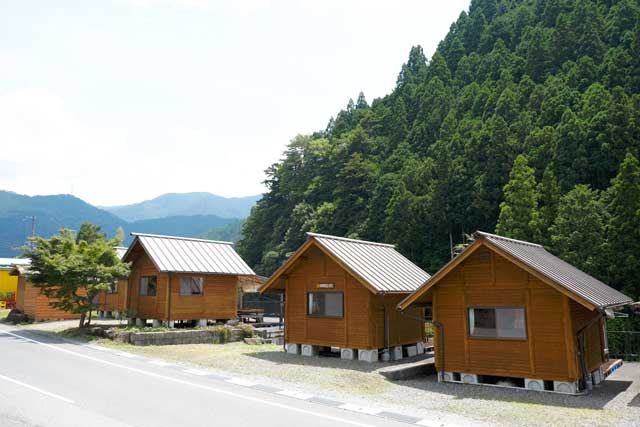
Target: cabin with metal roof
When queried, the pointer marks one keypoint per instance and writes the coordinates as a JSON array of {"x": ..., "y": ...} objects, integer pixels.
[
  {"x": 507, "y": 311},
  {"x": 32, "y": 302},
  {"x": 182, "y": 279},
  {"x": 111, "y": 302},
  {"x": 340, "y": 295}
]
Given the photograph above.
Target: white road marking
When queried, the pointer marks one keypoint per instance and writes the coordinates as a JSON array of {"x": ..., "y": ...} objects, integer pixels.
[
  {"x": 39, "y": 390},
  {"x": 199, "y": 372},
  {"x": 128, "y": 355},
  {"x": 426, "y": 423},
  {"x": 361, "y": 409},
  {"x": 296, "y": 394},
  {"x": 196, "y": 385},
  {"x": 241, "y": 381},
  {"x": 161, "y": 363}
]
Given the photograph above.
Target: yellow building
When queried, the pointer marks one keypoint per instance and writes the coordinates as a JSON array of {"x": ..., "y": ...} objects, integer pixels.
[{"x": 9, "y": 284}]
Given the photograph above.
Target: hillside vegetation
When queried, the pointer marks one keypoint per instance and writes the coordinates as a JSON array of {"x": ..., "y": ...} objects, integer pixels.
[{"x": 520, "y": 121}]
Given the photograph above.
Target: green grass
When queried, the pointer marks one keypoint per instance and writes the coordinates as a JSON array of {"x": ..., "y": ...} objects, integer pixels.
[{"x": 4, "y": 313}]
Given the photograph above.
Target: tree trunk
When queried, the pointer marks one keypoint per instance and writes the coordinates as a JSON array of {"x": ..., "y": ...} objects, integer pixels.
[
  {"x": 82, "y": 317},
  {"x": 89, "y": 321}
]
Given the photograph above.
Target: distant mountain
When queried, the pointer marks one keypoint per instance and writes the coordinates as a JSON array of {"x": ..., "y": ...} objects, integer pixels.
[
  {"x": 181, "y": 204},
  {"x": 185, "y": 225},
  {"x": 229, "y": 232},
  {"x": 53, "y": 212}
]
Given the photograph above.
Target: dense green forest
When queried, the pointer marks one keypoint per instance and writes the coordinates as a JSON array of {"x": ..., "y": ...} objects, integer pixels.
[{"x": 525, "y": 121}]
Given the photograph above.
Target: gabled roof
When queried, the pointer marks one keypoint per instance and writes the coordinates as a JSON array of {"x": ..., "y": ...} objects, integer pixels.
[
  {"x": 187, "y": 255},
  {"x": 575, "y": 283},
  {"x": 378, "y": 266},
  {"x": 120, "y": 251}
]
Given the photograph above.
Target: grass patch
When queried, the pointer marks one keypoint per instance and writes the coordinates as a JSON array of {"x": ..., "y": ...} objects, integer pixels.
[
  {"x": 4, "y": 313},
  {"x": 269, "y": 361}
]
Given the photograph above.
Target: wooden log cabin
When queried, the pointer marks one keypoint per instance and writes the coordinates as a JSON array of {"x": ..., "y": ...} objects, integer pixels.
[
  {"x": 112, "y": 302},
  {"x": 508, "y": 312},
  {"x": 30, "y": 301},
  {"x": 182, "y": 279},
  {"x": 340, "y": 295}
]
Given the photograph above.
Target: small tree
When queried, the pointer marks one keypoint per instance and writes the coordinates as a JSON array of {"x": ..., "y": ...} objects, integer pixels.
[{"x": 74, "y": 269}]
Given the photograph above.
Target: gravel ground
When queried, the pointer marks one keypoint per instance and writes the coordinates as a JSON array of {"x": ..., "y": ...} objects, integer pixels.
[{"x": 616, "y": 402}]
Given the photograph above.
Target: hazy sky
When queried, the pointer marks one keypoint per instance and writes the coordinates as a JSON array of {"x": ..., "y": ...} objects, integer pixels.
[{"x": 121, "y": 101}]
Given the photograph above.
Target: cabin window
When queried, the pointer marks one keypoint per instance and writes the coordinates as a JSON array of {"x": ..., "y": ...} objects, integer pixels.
[
  {"x": 325, "y": 304},
  {"x": 191, "y": 285},
  {"x": 148, "y": 286},
  {"x": 113, "y": 288},
  {"x": 489, "y": 322}
]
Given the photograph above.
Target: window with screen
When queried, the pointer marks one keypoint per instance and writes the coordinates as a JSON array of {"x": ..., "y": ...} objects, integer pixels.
[
  {"x": 325, "y": 304},
  {"x": 487, "y": 322},
  {"x": 191, "y": 285},
  {"x": 148, "y": 286}
]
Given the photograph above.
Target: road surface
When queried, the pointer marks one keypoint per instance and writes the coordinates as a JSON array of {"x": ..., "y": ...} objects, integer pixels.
[{"x": 45, "y": 381}]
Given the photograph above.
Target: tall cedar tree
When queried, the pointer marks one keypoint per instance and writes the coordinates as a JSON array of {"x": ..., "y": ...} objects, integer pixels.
[
  {"x": 624, "y": 226},
  {"x": 73, "y": 269},
  {"x": 518, "y": 213}
]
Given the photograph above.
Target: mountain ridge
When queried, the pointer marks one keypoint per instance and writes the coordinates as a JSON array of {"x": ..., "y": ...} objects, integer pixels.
[
  {"x": 54, "y": 211},
  {"x": 180, "y": 204}
]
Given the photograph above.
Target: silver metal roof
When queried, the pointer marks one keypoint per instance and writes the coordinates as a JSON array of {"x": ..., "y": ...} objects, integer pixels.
[
  {"x": 559, "y": 271},
  {"x": 120, "y": 251},
  {"x": 187, "y": 255},
  {"x": 8, "y": 263},
  {"x": 378, "y": 264}
]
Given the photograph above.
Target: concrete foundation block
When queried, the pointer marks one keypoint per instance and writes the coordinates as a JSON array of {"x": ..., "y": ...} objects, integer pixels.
[
  {"x": 420, "y": 347},
  {"x": 348, "y": 353},
  {"x": 141, "y": 322},
  {"x": 534, "y": 384},
  {"x": 100, "y": 313},
  {"x": 597, "y": 376},
  {"x": 565, "y": 387},
  {"x": 202, "y": 322},
  {"x": 386, "y": 355},
  {"x": 131, "y": 321},
  {"x": 397, "y": 352},
  {"x": 309, "y": 350},
  {"x": 446, "y": 376},
  {"x": 411, "y": 350},
  {"x": 116, "y": 314},
  {"x": 156, "y": 323},
  {"x": 293, "y": 348},
  {"x": 369, "y": 356},
  {"x": 469, "y": 378}
]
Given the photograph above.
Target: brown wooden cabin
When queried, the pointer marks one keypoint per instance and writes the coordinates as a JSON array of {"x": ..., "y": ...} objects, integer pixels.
[
  {"x": 113, "y": 300},
  {"x": 178, "y": 278},
  {"x": 342, "y": 293},
  {"x": 34, "y": 304},
  {"x": 508, "y": 308}
]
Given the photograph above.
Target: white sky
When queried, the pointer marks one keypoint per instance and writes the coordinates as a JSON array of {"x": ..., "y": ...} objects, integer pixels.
[{"x": 121, "y": 101}]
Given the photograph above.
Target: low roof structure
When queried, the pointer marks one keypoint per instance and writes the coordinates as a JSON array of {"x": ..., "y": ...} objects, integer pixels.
[
  {"x": 189, "y": 255},
  {"x": 120, "y": 251},
  {"x": 576, "y": 284},
  {"x": 378, "y": 266},
  {"x": 9, "y": 263}
]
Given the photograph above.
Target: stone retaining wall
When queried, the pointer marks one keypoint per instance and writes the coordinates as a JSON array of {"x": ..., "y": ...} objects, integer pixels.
[{"x": 202, "y": 336}]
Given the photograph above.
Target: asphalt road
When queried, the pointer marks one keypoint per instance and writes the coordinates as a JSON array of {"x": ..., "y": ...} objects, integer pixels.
[{"x": 49, "y": 382}]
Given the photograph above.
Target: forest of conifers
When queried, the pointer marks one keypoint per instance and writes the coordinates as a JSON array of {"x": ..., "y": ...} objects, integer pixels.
[{"x": 525, "y": 121}]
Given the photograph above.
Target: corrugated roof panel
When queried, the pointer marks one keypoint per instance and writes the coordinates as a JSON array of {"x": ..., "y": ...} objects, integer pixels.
[
  {"x": 186, "y": 255},
  {"x": 559, "y": 271},
  {"x": 380, "y": 265}
]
